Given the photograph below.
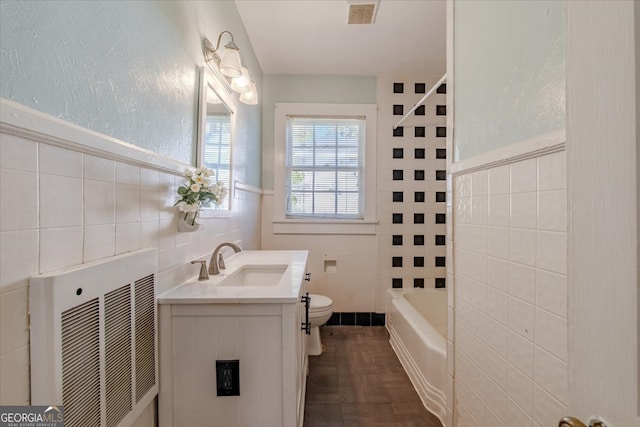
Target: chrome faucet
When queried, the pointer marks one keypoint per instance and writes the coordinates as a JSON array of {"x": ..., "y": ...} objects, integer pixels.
[
  {"x": 217, "y": 262},
  {"x": 203, "y": 270}
]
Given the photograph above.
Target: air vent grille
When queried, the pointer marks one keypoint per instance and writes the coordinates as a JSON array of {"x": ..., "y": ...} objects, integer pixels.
[
  {"x": 80, "y": 331},
  {"x": 145, "y": 335},
  {"x": 362, "y": 13},
  {"x": 117, "y": 334}
]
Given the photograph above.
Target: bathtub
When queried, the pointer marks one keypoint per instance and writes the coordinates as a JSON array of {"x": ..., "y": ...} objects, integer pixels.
[{"x": 417, "y": 324}]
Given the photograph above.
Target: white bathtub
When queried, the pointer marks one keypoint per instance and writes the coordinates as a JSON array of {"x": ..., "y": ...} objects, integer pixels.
[{"x": 417, "y": 324}]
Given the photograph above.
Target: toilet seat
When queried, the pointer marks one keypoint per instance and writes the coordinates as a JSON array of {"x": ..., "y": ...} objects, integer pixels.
[{"x": 320, "y": 303}]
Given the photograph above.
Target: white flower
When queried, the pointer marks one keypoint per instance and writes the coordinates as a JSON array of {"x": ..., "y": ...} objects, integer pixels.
[
  {"x": 207, "y": 172},
  {"x": 195, "y": 187},
  {"x": 198, "y": 179},
  {"x": 188, "y": 173},
  {"x": 214, "y": 188},
  {"x": 206, "y": 182},
  {"x": 199, "y": 171}
]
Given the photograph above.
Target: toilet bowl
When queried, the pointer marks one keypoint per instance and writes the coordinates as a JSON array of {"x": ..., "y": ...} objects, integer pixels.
[{"x": 320, "y": 310}]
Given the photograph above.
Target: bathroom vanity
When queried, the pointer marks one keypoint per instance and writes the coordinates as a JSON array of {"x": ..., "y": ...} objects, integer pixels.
[{"x": 250, "y": 318}]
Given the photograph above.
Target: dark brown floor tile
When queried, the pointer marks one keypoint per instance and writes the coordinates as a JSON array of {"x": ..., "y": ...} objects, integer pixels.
[
  {"x": 355, "y": 362},
  {"x": 414, "y": 413},
  {"x": 366, "y": 414},
  {"x": 322, "y": 385},
  {"x": 362, "y": 388},
  {"x": 322, "y": 415}
]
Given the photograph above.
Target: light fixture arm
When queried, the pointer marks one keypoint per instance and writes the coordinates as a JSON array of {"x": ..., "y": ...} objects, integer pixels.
[{"x": 210, "y": 52}]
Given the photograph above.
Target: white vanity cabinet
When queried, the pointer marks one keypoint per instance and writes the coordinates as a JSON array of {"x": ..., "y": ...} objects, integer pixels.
[{"x": 208, "y": 323}]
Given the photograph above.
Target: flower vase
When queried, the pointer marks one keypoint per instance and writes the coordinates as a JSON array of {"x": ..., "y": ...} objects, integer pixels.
[{"x": 187, "y": 221}]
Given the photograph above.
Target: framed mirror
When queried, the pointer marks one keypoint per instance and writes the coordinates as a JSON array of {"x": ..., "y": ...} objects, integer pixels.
[{"x": 216, "y": 130}]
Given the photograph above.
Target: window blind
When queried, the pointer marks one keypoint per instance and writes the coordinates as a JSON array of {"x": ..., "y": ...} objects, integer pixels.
[
  {"x": 217, "y": 149},
  {"x": 325, "y": 167}
]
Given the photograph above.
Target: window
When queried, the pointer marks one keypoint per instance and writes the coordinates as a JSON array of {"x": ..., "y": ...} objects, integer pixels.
[
  {"x": 217, "y": 148},
  {"x": 325, "y": 168}
]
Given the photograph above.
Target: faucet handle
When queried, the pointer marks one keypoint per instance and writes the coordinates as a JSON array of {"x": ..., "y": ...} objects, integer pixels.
[
  {"x": 221, "y": 262},
  {"x": 204, "y": 274}
]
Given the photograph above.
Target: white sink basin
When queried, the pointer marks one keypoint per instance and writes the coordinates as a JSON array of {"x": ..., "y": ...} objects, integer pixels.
[{"x": 255, "y": 275}]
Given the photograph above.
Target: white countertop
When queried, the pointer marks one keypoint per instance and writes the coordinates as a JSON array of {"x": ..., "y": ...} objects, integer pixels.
[{"x": 208, "y": 291}]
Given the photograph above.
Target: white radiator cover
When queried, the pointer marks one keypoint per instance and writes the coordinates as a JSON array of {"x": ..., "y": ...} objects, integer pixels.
[{"x": 94, "y": 345}]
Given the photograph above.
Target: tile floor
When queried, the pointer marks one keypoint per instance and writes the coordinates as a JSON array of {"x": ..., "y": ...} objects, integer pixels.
[{"x": 358, "y": 381}]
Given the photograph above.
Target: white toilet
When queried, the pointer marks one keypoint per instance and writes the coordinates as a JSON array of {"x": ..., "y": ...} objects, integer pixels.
[{"x": 320, "y": 310}]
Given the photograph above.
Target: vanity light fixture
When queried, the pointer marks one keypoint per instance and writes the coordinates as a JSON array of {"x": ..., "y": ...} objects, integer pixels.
[
  {"x": 251, "y": 96},
  {"x": 232, "y": 66},
  {"x": 243, "y": 83}
]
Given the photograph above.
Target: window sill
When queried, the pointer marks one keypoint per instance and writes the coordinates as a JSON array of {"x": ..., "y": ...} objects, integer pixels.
[{"x": 318, "y": 226}]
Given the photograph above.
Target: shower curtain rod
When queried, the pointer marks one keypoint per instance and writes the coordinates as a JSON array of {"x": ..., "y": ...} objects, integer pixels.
[{"x": 433, "y": 89}]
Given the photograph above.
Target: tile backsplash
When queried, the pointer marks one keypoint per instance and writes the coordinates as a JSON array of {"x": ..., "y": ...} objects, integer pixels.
[{"x": 510, "y": 314}]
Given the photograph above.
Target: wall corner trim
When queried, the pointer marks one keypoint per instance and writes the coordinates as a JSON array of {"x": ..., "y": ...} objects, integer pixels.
[{"x": 18, "y": 120}]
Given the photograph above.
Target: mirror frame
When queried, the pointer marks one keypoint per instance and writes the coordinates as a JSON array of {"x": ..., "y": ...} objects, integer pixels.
[{"x": 210, "y": 80}]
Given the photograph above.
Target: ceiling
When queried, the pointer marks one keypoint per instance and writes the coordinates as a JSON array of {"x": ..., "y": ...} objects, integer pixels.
[{"x": 312, "y": 37}]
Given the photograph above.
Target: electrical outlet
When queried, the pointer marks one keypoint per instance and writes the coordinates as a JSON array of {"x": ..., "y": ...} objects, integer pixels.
[{"x": 228, "y": 377}]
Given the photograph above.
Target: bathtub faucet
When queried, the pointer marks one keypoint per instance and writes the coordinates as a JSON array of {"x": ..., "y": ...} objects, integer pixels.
[{"x": 217, "y": 263}]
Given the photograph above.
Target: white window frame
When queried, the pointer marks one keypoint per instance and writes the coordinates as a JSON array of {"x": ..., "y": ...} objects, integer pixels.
[{"x": 318, "y": 225}]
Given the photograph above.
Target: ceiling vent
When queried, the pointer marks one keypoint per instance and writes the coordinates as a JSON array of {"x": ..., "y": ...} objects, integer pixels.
[{"x": 362, "y": 12}]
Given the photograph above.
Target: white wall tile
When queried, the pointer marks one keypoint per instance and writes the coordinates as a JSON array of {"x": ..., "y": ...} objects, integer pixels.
[
  {"x": 60, "y": 248},
  {"x": 497, "y": 337},
  {"x": 18, "y": 153},
  {"x": 498, "y": 305},
  {"x": 479, "y": 183},
  {"x": 99, "y": 169},
  {"x": 127, "y": 203},
  {"x": 546, "y": 410},
  {"x": 127, "y": 174},
  {"x": 14, "y": 325},
  {"x": 99, "y": 242},
  {"x": 498, "y": 275},
  {"x": 552, "y": 251},
  {"x": 149, "y": 204},
  {"x": 14, "y": 371},
  {"x": 497, "y": 401},
  {"x": 479, "y": 210},
  {"x": 499, "y": 180},
  {"x": 522, "y": 282},
  {"x": 60, "y": 201},
  {"x": 149, "y": 234},
  {"x": 498, "y": 242},
  {"x": 463, "y": 210},
  {"x": 551, "y": 374},
  {"x": 524, "y": 210},
  {"x": 18, "y": 256},
  {"x": 522, "y": 318},
  {"x": 127, "y": 237},
  {"x": 522, "y": 246},
  {"x": 523, "y": 176},
  {"x": 552, "y": 171},
  {"x": 520, "y": 353},
  {"x": 499, "y": 210},
  {"x": 59, "y": 161},
  {"x": 520, "y": 390},
  {"x": 496, "y": 367},
  {"x": 149, "y": 178},
  {"x": 551, "y": 292},
  {"x": 516, "y": 416},
  {"x": 99, "y": 202},
  {"x": 551, "y": 333},
  {"x": 19, "y": 207},
  {"x": 462, "y": 186},
  {"x": 552, "y": 210}
]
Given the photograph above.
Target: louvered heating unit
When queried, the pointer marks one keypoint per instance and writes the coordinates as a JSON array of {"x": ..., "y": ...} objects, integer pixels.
[{"x": 93, "y": 340}]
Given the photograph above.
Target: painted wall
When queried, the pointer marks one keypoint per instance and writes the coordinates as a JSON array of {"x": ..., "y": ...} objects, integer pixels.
[
  {"x": 124, "y": 69},
  {"x": 509, "y": 73},
  {"x": 325, "y": 89},
  {"x": 127, "y": 70}
]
